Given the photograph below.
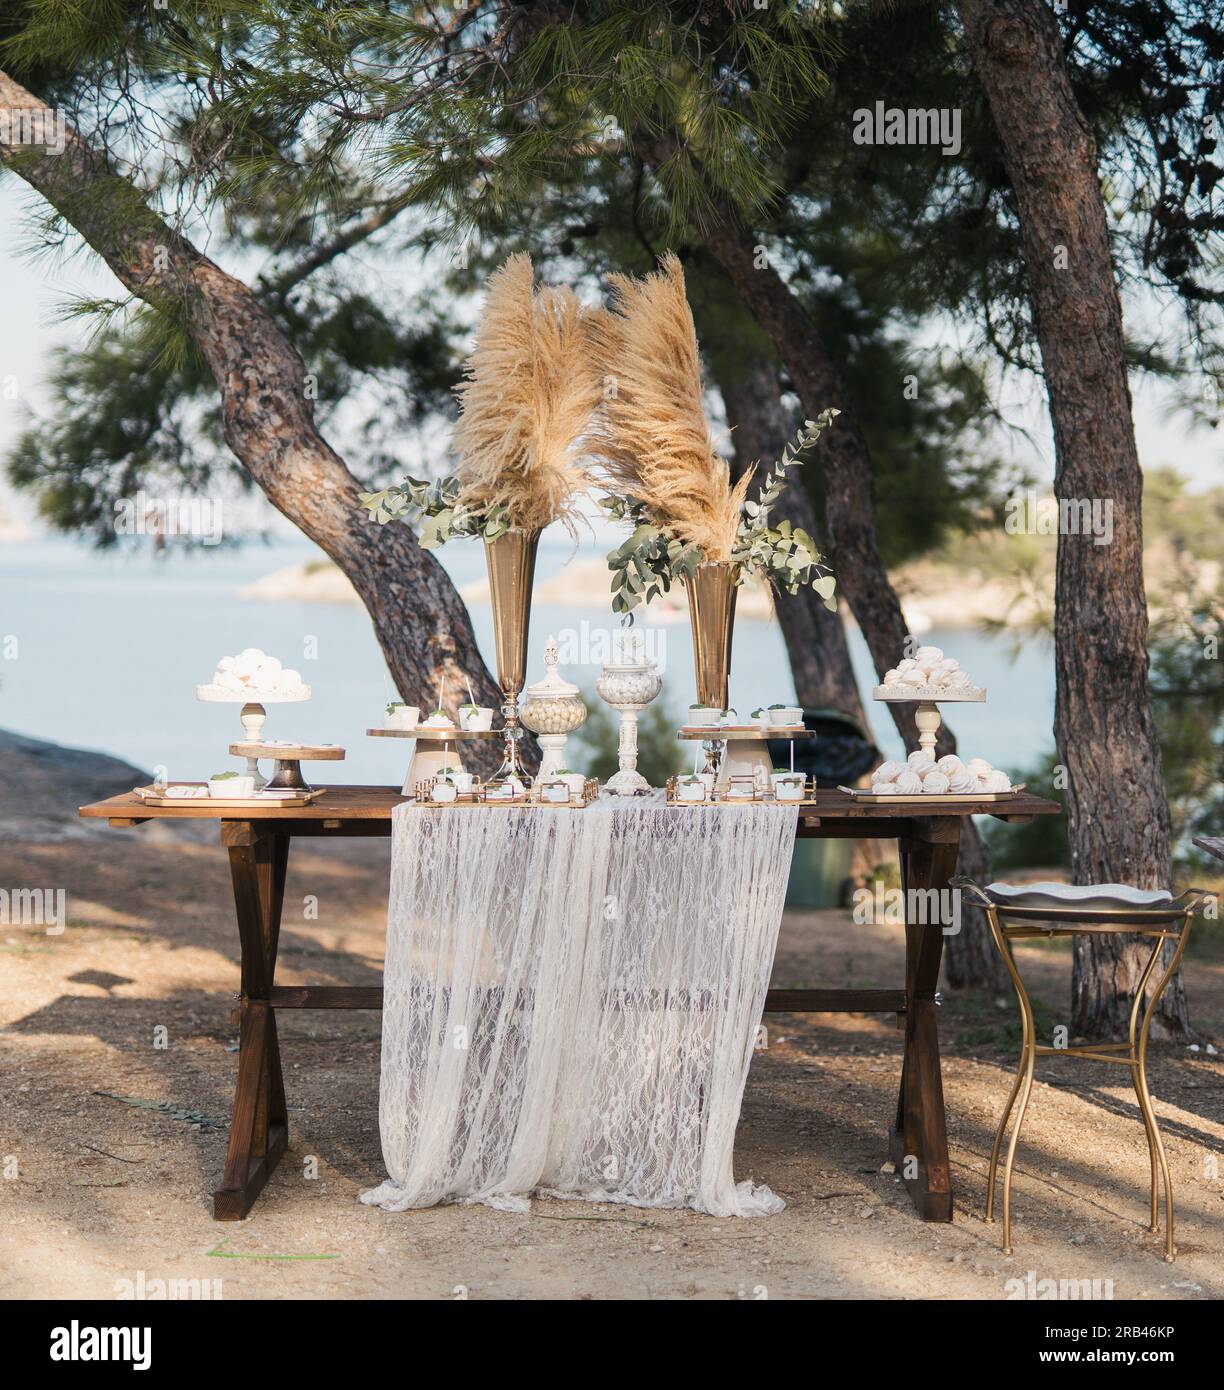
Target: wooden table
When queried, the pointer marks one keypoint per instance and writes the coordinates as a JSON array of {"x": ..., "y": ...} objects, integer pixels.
[{"x": 258, "y": 844}]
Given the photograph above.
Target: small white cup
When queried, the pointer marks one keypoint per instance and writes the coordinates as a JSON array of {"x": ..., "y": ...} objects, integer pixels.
[
  {"x": 231, "y": 786},
  {"x": 700, "y": 718},
  {"x": 403, "y": 717},
  {"x": 693, "y": 791},
  {"x": 476, "y": 720},
  {"x": 788, "y": 714}
]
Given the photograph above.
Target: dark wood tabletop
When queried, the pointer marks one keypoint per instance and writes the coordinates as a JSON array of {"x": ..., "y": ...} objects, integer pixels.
[{"x": 351, "y": 803}]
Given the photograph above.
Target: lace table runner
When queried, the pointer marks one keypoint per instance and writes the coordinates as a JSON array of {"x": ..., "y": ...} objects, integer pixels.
[{"x": 571, "y": 1001}]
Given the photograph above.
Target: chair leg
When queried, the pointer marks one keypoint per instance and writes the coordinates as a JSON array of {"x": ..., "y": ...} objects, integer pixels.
[
  {"x": 1029, "y": 1061},
  {"x": 1022, "y": 1085},
  {"x": 1139, "y": 1083},
  {"x": 1145, "y": 1097},
  {"x": 1003, "y": 1119}
]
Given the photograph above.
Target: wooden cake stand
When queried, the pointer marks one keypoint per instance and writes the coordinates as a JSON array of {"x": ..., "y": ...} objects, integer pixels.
[
  {"x": 433, "y": 751},
  {"x": 289, "y": 759}
]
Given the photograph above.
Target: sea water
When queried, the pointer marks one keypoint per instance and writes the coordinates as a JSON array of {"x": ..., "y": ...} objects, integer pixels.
[{"x": 103, "y": 650}]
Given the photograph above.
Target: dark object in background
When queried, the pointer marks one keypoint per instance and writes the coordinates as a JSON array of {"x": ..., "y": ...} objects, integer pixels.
[{"x": 840, "y": 753}]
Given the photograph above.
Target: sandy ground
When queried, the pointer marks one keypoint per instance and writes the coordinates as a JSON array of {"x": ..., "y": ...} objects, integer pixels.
[{"x": 101, "y": 1189}]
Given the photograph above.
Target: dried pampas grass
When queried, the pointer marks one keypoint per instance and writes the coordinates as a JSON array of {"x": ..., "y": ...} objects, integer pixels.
[
  {"x": 652, "y": 437},
  {"x": 526, "y": 404}
]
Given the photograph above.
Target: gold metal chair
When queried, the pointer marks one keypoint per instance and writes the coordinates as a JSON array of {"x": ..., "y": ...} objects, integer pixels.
[{"x": 1049, "y": 909}]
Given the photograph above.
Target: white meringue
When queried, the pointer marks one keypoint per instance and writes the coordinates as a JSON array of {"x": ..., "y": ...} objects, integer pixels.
[
  {"x": 935, "y": 783},
  {"x": 963, "y": 782},
  {"x": 995, "y": 782},
  {"x": 978, "y": 766},
  {"x": 891, "y": 677},
  {"x": 884, "y": 788},
  {"x": 958, "y": 680},
  {"x": 949, "y": 763},
  {"x": 927, "y": 656},
  {"x": 914, "y": 676},
  {"x": 920, "y": 759},
  {"x": 887, "y": 772},
  {"x": 908, "y": 782}
]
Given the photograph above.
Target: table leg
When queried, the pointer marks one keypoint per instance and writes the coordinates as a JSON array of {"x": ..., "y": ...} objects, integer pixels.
[
  {"x": 259, "y": 1127},
  {"x": 919, "y": 1138}
]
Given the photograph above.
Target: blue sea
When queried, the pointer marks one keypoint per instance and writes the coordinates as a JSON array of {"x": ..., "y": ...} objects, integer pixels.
[{"x": 103, "y": 651}]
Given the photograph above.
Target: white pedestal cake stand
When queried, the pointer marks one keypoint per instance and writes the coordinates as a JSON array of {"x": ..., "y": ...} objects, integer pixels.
[
  {"x": 252, "y": 716},
  {"x": 928, "y": 700},
  {"x": 433, "y": 751}
]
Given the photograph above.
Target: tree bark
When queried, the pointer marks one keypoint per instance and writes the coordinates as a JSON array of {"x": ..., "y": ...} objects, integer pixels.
[
  {"x": 419, "y": 619},
  {"x": 1117, "y": 810},
  {"x": 854, "y": 553},
  {"x": 815, "y": 638}
]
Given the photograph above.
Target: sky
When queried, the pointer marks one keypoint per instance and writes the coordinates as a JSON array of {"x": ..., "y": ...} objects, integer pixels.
[{"x": 32, "y": 288}]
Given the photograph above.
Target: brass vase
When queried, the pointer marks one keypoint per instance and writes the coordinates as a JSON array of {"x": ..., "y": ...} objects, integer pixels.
[
  {"x": 711, "y": 596},
  {"x": 511, "y": 559}
]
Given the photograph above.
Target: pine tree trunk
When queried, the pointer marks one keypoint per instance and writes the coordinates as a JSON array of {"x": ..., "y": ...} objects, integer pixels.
[
  {"x": 850, "y": 534},
  {"x": 1117, "y": 810},
  {"x": 815, "y": 638},
  {"x": 419, "y": 619}
]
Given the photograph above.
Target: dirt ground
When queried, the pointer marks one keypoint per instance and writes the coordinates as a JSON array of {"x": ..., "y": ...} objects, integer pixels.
[{"x": 102, "y": 1188}]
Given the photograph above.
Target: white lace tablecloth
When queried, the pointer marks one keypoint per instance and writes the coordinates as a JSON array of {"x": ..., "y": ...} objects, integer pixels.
[{"x": 571, "y": 1001}]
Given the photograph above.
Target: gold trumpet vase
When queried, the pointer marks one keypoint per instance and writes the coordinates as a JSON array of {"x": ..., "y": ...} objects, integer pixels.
[
  {"x": 711, "y": 596},
  {"x": 511, "y": 560}
]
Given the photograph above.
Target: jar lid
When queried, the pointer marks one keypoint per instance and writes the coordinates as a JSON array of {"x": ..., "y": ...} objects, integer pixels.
[
  {"x": 554, "y": 686},
  {"x": 632, "y": 654}
]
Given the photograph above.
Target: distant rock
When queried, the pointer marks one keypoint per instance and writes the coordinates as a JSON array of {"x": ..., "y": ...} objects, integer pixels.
[
  {"x": 43, "y": 784},
  {"x": 317, "y": 581}
]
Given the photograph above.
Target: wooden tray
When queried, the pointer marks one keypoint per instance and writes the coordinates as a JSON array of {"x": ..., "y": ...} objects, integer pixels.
[
  {"x": 728, "y": 731},
  {"x": 929, "y": 798},
  {"x": 436, "y": 735},
  {"x": 928, "y": 695},
  {"x": 152, "y": 796}
]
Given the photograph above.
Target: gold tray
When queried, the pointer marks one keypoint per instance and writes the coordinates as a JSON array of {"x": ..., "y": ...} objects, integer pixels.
[
  {"x": 531, "y": 797},
  {"x": 152, "y": 796},
  {"x": 720, "y": 798}
]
